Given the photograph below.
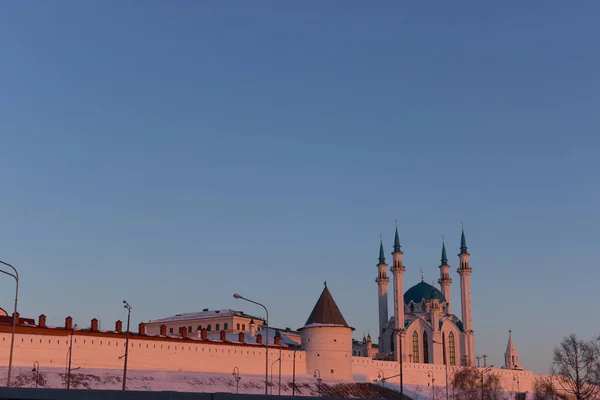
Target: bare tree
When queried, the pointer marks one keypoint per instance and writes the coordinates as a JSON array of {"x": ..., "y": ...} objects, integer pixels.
[
  {"x": 575, "y": 365},
  {"x": 467, "y": 384},
  {"x": 543, "y": 389}
]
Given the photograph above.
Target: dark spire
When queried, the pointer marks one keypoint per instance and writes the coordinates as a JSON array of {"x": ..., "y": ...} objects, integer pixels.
[
  {"x": 463, "y": 242},
  {"x": 381, "y": 254},
  {"x": 396, "y": 240},
  {"x": 444, "y": 257},
  {"x": 326, "y": 311}
]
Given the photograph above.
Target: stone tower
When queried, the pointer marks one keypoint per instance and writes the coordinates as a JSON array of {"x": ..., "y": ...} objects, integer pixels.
[{"x": 382, "y": 297}]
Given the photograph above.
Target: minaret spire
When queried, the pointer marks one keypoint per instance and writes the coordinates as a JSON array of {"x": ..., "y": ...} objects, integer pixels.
[
  {"x": 444, "y": 257},
  {"x": 463, "y": 241},
  {"x": 396, "y": 239},
  {"x": 381, "y": 253}
]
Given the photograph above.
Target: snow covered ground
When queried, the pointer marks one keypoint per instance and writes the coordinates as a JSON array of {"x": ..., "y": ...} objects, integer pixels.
[{"x": 199, "y": 382}]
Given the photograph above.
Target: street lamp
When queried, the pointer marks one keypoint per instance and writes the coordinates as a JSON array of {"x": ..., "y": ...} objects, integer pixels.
[
  {"x": 445, "y": 363},
  {"x": 236, "y": 376},
  {"x": 400, "y": 332},
  {"x": 317, "y": 374},
  {"x": 430, "y": 374},
  {"x": 128, "y": 307},
  {"x": 240, "y": 297},
  {"x": 483, "y": 372},
  {"x": 12, "y": 337},
  {"x": 381, "y": 377},
  {"x": 37, "y": 372},
  {"x": 273, "y": 363},
  {"x": 70, "y": 357}
]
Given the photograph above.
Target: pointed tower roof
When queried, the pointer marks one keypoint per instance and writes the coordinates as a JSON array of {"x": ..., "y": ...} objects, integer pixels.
[
  {"x": 510, "y": 347},
  {"x": 381, "y": 253},
  {"x": 326, "y": 312},
  {"x": 463, "y": 242},
  {"x": 396, "y": 240},
  {"x": 444, "y": 257}
]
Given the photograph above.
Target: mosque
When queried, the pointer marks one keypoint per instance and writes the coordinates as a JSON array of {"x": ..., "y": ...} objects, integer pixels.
[{"x": 423, "y": 328}]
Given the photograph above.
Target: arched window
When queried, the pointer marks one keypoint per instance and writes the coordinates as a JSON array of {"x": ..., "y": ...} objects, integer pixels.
[
  {"x": 415, "y": 347},
  {"x": 452, "y": 348},
  {"x": 425, "y": 348}
]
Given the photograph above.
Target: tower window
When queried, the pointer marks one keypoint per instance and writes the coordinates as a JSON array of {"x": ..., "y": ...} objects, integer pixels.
[
  {"x": 452, "y": 348},
  {"x": 416, "y": 347}
]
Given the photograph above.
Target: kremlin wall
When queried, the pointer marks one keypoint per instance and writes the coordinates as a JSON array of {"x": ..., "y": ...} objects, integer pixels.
[{"x": 326, "y": 347}]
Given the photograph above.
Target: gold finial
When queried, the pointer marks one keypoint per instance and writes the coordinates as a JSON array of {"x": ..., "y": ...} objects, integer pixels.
[
  {"x": 462, "y": 225},
  {"x": 422, "y": 276},
  {"x": 396, "y": 221},
  {"x": 442, "y": 238}
]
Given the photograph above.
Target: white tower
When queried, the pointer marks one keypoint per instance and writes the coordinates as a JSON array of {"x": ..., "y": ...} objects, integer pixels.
[
  {"x": 382, "y": 296},
  {"x": 398, "y": 271},
  {"x": 445, "y": 279},
  {"x": 511, "y": 357},
  {"x": 464, "y": 270},
  {"x": 327, "y": 341}
]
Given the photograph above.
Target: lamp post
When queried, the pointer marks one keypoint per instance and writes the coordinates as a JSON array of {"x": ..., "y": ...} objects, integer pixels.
[
  {"x": 483, "y": 372},
  {"x": 294, "y": 376},
  {"x": 70, "y": 356},
  {"x": 317, "y": 374},
  {"x": 128, "y": 307},
  {"x": 400, "y": 332},
  {"x": 430, "y": 374},
  {"x": 236, "y": 376},
  {"x": 37, "y": 372},
  {"x": 273, "y": 363},
  {"x": 240, "y": 297},
  {"x": 12, "y": 336},
  {"x": 445, "y": 363}
]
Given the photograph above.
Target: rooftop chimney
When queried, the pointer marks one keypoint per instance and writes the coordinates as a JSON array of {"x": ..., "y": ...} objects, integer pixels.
[
  {"x": 259, "y": 338},
  {"x": 142, "y": 328},
  {"x": 68, "y": 323},
  {"x": 94, "y": 327},
  {"x": 184, "y": 332},
  {"x": 277, "y": 340},
  {"x": 241, "y": 337},
  {"x": 42, "y": 323},
  {"x": 118, "y": 326},
  {"x": 203, "y": 334},
  {"x": 16, "y": 314},
  {"x": 223, "y": 336},
  {"x": 163, "y": 330}
]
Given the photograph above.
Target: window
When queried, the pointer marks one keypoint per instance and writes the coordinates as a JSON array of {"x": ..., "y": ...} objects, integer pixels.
[
  {"x": 425, "y": 348},
  {"x": 416, "y": 347},
  {"x": 199, "y": 327},
  {"x": 243, "y": 327},
  {"x": 181, "y": 330},
  {"x": 170, "y": 330},
  {"x": 218, "y": 327},
  {"x": 189, "y": 329},
  {"x": 225, "y": 326},
  {"x": 208, "y": 327},
  {"x": 238, "y": 327},
  {"x": 452, "y": 348}
]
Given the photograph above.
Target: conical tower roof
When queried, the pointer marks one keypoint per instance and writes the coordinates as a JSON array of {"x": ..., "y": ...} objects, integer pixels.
[
  {"x": 510, "y": 347},
  {"x": 326, "y": 312}
]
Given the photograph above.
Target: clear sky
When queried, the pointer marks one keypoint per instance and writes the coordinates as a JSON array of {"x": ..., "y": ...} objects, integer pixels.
[{"x": 173, "y": 153}]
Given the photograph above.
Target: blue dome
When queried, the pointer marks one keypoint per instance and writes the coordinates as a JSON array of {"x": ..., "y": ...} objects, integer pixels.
[{"x": 422, "y": 291}]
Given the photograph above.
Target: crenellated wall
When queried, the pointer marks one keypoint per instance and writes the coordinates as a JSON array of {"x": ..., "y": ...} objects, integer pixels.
[{"x": 106, "y": 350}]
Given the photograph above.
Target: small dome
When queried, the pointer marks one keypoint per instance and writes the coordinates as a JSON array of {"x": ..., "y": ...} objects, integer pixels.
[{"x": 422, "y": 291}]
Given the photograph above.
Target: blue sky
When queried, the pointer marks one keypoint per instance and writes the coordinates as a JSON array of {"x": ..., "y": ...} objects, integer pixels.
[{"x": 172, "y": 154}]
